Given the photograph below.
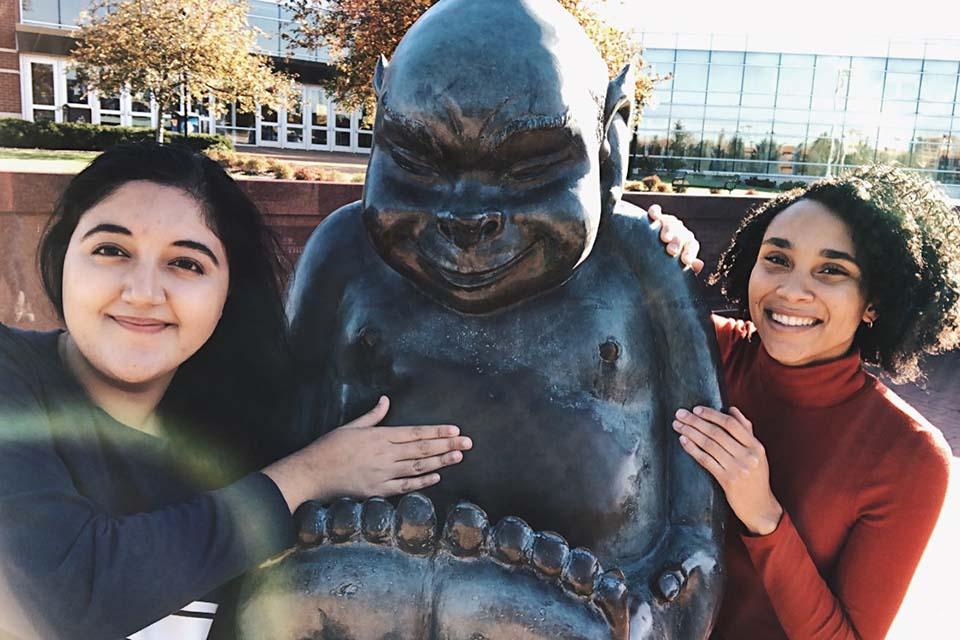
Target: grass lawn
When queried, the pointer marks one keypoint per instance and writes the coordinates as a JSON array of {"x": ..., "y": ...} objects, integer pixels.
[{"x": 45, "y": 160}]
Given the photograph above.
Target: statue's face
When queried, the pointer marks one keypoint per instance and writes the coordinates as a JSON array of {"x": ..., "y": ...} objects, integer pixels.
[{"x": 483, "y": 185}]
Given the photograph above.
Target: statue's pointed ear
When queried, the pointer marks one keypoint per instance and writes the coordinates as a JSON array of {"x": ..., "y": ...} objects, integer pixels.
[
  {"x": 615, "y": 149},
  {"x": 378, "y": 74},
  {"x": 619, "y": 102}
]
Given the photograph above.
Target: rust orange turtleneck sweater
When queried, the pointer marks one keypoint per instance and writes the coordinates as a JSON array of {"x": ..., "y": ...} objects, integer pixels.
[{"x": 861, "y": 477}]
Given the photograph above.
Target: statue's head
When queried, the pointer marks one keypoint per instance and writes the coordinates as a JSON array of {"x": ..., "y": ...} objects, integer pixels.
[{"x": 499, "y": 145}]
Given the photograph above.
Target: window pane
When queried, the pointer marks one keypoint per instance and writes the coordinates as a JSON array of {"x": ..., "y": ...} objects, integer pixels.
[
  {"x": 110, "y": 103},
  {"x": 794, "y": 60},
  {"x": 726, "y": 57},
  {"x": 725, "y": 78},
  {"x": 76, "y": 91},
  {"x": 796, "y": 81},
  {"x": 70, "y": 10},
  {"x": 658, "y": 56},
  {"x": 866, "y": 79},
  {"x": 685, "y": 55},
  {"x": 760, "y": 80},
  {"x": 342, "y": 139},
  {"x": 936, "y": 108},
  {"x": 689, "y": 97},
  {"x": 723, "y": 99},
  {"x": 247, "y": 119},
  {"x": 902, "y": 86},
  {"x": 690, "y": 77},
  {"x": 827, "y": 75},
  {"x": 902, "y": 65},
  {"x": 40, "y": 11},
  {"x": 723, "y": 113},
  {"x": 794, "y": 102},
  {"x": 939, "y": 66},
  {"x": 934, "y": 88},
  {"x": 763, "y": 59},
  {"x": 758, "y": 99},
  {"x": 42, "y": 77},
  {"x": 687, "y": 113}
]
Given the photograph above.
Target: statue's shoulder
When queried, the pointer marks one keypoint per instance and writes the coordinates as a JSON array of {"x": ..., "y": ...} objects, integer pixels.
[
  {"x": 660, "y": 276},
  {"x": 635, "y": 237},
  {"x": 342, "y": 227}
]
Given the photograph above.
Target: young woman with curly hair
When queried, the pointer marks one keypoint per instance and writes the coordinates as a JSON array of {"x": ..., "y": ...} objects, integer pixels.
[
  {"x": 137, "y": 447},
  {"x": 834, "y": 482}
]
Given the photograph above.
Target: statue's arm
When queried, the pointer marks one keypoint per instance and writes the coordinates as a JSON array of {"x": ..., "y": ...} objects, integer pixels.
[
  {"x": 688, "y": 577},
  {"x": 332, "y": 256}
]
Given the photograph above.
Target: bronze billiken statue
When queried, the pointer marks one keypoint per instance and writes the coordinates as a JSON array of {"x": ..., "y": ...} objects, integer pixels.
[{"x": 492, "y": 278}]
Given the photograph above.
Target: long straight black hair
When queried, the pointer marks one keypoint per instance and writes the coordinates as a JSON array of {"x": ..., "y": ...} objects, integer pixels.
[{"x": 226, "y": 403}]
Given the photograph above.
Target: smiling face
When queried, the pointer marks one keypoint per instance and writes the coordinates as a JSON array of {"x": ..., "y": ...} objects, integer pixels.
[
  {"x": 805, "y": 293},
  {"x": 483, "y": 185},
  {"x": 144, "y": 283}
]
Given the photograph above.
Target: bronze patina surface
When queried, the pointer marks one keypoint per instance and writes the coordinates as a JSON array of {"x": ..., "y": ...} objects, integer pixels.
[{"x": 492, "y": 278}]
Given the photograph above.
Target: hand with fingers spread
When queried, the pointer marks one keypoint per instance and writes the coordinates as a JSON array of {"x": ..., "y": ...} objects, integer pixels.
[
  {"x": 361, "y": 460},
  {"x": 678, "y": 238},
  {"x": 724, "y": 445}
]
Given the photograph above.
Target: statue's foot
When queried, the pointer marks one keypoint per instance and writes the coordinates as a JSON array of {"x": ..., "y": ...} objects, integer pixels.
[{"x": 368, "y": 571}]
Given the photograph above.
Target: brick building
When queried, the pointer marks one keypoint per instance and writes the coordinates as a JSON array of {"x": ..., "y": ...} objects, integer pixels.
[{"x": 37, "y": 83}]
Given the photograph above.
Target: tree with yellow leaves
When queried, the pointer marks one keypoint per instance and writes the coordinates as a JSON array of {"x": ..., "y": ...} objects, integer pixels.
[
  {"x": 357, "y": 32},
  {"x": 165, "y": 47}
]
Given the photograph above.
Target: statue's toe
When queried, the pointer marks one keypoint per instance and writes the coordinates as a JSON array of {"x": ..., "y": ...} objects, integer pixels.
[
  {"x": 310, "y": 520},
  {"x": 549, "y": 553},
  {"x": 581, "y": 571},
  {"x": 377, "y": 520},
  {"x": 511, "y": 540},
  {"x": 343, "y": 519},
  {"x": 466, "y": 529},
  {"x": 416, "y": 524}
]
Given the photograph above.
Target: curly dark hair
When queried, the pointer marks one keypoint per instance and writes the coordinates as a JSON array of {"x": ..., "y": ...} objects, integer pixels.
[{"x": 907, "y": 242}]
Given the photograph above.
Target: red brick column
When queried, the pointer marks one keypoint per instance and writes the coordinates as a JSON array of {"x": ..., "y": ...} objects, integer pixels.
[{"x": 9, "y": 60}]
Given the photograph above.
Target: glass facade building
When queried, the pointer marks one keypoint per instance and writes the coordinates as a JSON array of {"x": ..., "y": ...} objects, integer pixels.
[{"x": 730, "y": 109}]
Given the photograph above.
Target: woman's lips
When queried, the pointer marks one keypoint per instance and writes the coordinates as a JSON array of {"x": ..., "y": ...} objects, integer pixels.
[{"x": 141, "y": 325}]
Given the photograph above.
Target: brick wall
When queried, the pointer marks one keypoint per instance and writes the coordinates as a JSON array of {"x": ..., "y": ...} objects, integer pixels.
[
  {"x": 9, "y": 60},
  {"x": 293, "y": 209}
]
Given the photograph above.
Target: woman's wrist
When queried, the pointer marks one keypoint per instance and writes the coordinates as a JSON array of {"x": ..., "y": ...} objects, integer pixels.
[{"x": 766, "y": 522}]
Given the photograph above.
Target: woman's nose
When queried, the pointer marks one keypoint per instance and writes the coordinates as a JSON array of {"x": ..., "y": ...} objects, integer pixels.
[
  {"x": 143, "y": 286},
  {"x": 795, "y": 286}
]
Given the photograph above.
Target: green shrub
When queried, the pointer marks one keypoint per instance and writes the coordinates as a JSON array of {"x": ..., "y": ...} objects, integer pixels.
[
  {"x": 92, "y": 137},
  {"x": 787, "y": 185},
  {"x": 651, "y": 182},
  {"x": 255, "y": 166},
  {"x": 281, "y": 170}
]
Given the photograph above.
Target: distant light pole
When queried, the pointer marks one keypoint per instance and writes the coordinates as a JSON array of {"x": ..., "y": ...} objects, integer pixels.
[{"x": 839, "y": 93}]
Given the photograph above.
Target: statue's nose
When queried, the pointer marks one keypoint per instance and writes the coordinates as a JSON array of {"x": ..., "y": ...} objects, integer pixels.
[{"x": 468, "y": 230}]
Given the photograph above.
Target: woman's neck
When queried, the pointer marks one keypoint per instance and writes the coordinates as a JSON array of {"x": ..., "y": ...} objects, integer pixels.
[{"x": 131, "y": 404}]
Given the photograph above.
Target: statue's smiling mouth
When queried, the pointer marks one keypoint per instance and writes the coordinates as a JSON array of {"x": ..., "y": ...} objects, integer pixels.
[{"x": 475, "y": 279}]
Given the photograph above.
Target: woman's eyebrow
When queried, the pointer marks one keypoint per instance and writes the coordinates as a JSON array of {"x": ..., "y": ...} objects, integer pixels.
[
  {"x": 197, "y": 246},
  {"x": 834, "y": 254},
  {"x": 106, "y": 227}
]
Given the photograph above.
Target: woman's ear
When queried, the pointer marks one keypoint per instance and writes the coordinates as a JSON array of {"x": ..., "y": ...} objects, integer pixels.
[{"x": 870, "y": 314}]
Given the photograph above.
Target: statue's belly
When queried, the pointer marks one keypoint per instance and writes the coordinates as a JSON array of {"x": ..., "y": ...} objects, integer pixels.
[{"x": 551, "y": 449}]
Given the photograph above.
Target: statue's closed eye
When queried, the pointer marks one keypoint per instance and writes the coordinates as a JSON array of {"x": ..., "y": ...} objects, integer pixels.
[
  {"x": 539, "y": 167},
  {"x": 412, "y": 162}
]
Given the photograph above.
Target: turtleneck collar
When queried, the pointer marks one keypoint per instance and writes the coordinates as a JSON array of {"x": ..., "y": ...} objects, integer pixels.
[{"x": 814, "y": 386}]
